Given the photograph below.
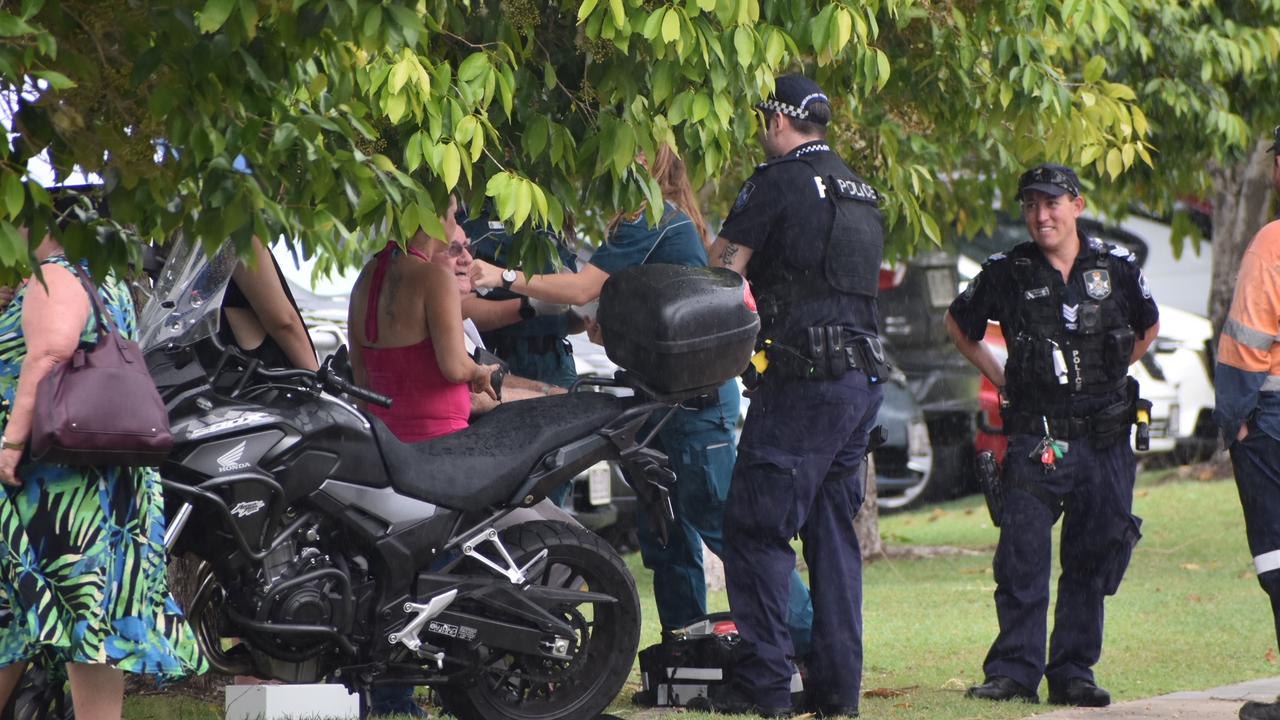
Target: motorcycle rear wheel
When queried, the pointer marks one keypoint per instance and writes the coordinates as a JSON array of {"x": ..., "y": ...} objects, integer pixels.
[{"x": 516, "y": 687}]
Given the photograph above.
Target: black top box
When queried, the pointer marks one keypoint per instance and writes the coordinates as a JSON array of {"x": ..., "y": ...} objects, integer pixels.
[{"x": 678, "y": 329}]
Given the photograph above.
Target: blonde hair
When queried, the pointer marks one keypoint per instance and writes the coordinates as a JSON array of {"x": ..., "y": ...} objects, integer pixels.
[{"x": 669, "y": 170}]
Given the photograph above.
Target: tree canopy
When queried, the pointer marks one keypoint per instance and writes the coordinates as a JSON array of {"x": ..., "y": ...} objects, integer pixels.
[{"x": 343, "y": 123}]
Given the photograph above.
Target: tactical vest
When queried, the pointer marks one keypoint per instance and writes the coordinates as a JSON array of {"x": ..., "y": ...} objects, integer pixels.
[
  {"x": 1046, "y": 359},
  {"x": 851, "y": 253}
]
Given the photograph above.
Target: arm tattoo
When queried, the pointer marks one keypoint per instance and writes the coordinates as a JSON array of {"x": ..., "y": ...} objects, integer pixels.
[{"x": 728, "y": 254}]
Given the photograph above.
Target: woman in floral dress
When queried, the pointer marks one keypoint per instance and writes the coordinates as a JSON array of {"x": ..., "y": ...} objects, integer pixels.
[{"x": 82, "y": 562}]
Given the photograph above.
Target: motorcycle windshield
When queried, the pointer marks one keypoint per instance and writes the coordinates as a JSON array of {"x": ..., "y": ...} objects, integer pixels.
[{"x": 185, "y": 303}]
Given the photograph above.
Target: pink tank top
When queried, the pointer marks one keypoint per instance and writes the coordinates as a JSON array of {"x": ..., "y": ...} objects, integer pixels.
[{"x": 425, "y": 404}]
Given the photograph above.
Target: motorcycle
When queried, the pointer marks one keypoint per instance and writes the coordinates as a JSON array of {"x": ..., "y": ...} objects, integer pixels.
[{"x": 329, "y": 551}]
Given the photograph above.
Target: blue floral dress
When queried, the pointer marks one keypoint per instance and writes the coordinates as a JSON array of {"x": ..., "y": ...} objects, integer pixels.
[{"x": 82, "y": 561}]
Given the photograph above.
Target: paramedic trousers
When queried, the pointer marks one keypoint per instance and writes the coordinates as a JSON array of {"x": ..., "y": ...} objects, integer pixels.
[{"x": 700, "y": 447}]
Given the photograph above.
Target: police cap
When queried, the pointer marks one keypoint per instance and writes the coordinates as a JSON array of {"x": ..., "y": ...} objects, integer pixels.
[
  {"x": 792, "y": 96},
  {"x": 1049, "y": 179}
]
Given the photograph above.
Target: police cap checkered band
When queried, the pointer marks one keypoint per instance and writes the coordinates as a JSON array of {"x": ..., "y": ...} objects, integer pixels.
[
  {"x": 792, "y": 96},
  {"x": 1049, "y": 179}
]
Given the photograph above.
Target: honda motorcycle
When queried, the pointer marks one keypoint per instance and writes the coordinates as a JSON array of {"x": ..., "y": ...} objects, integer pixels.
[{"x": 331, "y": 551}]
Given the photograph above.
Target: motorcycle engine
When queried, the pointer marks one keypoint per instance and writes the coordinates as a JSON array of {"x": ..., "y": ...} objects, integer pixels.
[{"x": 298, "y": 586}]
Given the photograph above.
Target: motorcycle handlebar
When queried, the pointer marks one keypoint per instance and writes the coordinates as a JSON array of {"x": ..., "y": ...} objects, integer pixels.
[
  {"x": 327, "y": 377},
  {"x": 332, "y": 380}
]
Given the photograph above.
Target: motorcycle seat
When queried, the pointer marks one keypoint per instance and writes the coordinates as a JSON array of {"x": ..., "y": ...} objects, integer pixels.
[{"x": 484, "y": 464}]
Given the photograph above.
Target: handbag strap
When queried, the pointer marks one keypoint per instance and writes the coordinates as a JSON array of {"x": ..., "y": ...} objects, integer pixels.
[{"x": 106, "y": 324}]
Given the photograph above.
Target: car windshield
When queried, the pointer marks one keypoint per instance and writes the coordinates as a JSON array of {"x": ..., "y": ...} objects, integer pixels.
[{"x": 185, "y": 302}]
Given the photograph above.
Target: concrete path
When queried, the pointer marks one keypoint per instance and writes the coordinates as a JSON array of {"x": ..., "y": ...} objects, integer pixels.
[{"x": 1217, "y": 704}]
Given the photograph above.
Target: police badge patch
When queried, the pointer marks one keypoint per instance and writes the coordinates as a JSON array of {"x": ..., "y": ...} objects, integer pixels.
[
  {"x": 1097, "y": 283},
  {"x": 1143, "y": 286},
  {"x": 744, "y": 195}
]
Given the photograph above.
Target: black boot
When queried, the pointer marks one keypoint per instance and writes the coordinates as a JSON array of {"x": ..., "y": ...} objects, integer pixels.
[
  {"x": 1080, "y": 692},
  {"x": 1260, "y": 711},
  {"x": 1002, "y": 689},
  {"x": 729, "y": 700}
]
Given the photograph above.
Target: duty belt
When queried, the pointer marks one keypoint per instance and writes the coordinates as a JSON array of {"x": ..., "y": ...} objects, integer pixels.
[
  {"x": 1108, "y": 424},
  {"x": 832, "y": 352}
]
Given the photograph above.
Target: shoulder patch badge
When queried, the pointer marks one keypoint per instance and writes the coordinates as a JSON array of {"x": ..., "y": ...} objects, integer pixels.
[
  {"x": 1143, "y": 286},
  {"x": 1097, "y": 283},
  {"x": 1121, "y": 252},
  {"x": 744, "y": 195}
]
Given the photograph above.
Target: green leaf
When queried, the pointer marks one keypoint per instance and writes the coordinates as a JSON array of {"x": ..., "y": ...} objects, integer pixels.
[
  {"x": 844, "y": 30},
  {"x": 524, "y": 202},
  {"x": 399, "y": 75},
  {"x": 56, "y": 80},
  {"x": 1115, "y": 165},
  {"x": 619, "y": 14},
  {"x": 707, "y": 5},
  {"x": 11, "y": 26},
  {"x": 535, "y": 137},
  {"x": 548, "y": 76},
  {"x": 450, "y": 165},
  {"x": 14, "y": 194},
  {"x": 473, "y": 67},
  {"x": 284, "y": 136},
  {"x": 701, "y": 106},
  {"x": 671, "y": 26},
  {"x": 882, "y": 68},
  {"x": 1094, "y": 68},
  {"x": 214, "y": 14},
  {"x": 12, "y": 247},
  {"x": 584, "y": 11},
  {"x": 372, "y": 20},
  {"x": 745, "y": 45}
]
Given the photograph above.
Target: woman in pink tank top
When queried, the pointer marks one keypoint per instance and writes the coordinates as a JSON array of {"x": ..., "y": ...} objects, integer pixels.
[{"x": 407, "y": 342}]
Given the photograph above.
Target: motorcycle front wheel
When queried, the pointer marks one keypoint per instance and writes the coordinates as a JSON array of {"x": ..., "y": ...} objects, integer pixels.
[{"x": 512, "y": 686}]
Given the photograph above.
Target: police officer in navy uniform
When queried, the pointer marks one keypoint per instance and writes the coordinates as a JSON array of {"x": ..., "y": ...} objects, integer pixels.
[
  {"x": 1075, "y": 313},
  {"x": 806, "y": 231}
]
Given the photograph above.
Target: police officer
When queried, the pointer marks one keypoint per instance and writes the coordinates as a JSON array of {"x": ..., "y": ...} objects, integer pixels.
[
  {"x": 1075, "y": 312},
  {"x": 807, "y": 233}
]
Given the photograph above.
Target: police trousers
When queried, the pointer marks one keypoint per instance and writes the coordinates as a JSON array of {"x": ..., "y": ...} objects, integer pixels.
[
  {"x": 700, "y": 447},
  {"x": 1256, "y": 461},
  {"x": 1092, "y": 490},
  {"x": 800, "y": 471}
]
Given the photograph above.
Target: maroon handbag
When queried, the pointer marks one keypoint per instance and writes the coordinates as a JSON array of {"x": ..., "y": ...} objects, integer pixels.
[{"x": 101, "y": 406}]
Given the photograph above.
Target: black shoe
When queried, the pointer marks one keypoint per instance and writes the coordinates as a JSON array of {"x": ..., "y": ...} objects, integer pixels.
[
  {"x": 729, "y": 700},
  {"x": 1002, "y": 689},
  {"x": 1260, "y": 711},
  {"x": 645, "y": 698},
  {"x": 835, "y": 711},
  {"x": 1080, "y": 692}
]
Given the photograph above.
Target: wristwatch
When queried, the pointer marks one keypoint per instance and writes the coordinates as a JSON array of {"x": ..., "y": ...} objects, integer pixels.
[
  {"x": 526, "y": 309},
  {"x": 508, "y": 277},
  {"x": 7, "y": 445}
]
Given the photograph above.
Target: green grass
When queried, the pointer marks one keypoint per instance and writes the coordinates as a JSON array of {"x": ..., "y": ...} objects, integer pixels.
[{"x": 1189, "y": 616}]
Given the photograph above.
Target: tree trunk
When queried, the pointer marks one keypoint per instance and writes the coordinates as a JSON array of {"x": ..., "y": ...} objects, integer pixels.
[
  {"x": 1241, "y": 206},
  {"x": 867, "y": 522}
]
